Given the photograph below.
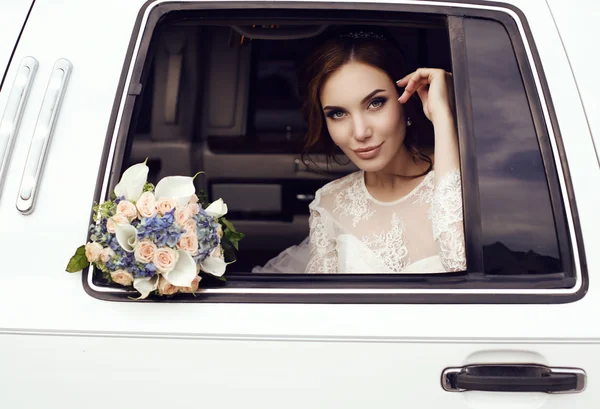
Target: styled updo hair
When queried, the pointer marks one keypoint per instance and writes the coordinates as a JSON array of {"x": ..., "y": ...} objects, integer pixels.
[{"x": 368, "y": 45}]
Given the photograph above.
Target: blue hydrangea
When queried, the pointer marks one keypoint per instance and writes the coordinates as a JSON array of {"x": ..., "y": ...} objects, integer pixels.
[
  {"x": 99, "y": 233},
  {"x": 208, "y": 238},
  {"x": 162, "y": 230}
]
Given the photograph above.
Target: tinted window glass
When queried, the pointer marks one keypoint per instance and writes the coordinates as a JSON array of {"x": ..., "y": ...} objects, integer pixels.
[{"x": 518, "y": 228}]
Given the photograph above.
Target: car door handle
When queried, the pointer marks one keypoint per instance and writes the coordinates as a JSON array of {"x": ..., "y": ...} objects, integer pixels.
[
  {"x": 42, "y": 135},
  {"x": 15, "y": 106},
  {"x": 513, "y": 378}
]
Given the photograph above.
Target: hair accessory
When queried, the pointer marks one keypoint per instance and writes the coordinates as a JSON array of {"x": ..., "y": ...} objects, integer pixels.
[{"x": 363, "y": 35}]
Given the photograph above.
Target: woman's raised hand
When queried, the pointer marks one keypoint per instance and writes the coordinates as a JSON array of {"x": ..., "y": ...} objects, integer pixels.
[{"x": 434, "y": 87}]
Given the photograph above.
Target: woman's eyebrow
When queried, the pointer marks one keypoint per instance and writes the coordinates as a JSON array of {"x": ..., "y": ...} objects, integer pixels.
[
  {"x": 365, "y": 99},
  {"x": 371, "y": 95}
]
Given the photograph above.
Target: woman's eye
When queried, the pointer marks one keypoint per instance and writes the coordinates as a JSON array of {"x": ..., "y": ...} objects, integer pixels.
[
  {"x": 377, "y": 103},
  {"x": 336, "y": 115}
]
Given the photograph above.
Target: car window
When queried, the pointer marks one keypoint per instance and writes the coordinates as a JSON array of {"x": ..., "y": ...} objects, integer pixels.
[
  {"x": 217, "y": 101},
  {"x": 518, "y": 228}
]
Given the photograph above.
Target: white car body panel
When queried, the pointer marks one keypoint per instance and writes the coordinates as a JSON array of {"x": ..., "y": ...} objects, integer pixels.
[{"x": 60, "y": 347}]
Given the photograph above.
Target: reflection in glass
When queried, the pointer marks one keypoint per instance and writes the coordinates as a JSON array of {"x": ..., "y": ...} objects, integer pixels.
[{"x": 517, "y": 220}]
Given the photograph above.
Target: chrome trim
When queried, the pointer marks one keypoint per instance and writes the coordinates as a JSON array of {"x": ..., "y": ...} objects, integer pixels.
[
  {"x": 42, "y": 135},
  {"x": 13, "y": 112},
  {"x": 448, "y": 373},
  {"x": 581, "y": 379},
  {"x": 446, "y": 379},
  {"x": 418, "y": 3}
]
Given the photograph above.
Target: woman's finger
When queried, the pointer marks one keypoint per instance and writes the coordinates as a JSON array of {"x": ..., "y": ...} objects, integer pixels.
[
  {"x": 404, "y": 80},
  {"x": 425, "y": 73},
  {"x": 414, "y": 83},
  {"x": 423, "y": 93}
]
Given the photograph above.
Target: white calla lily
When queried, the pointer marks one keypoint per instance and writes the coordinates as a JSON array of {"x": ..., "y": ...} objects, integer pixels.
[
  {"x": 132, "y": 182},
  {"x": 214, "y": 266},
  {"x": 184, "y": 271},
  {"x": 145, "y": 285},
  {"x": 217, "y": 209},
  {"x": 180, "y": 188},
  {"x": 126, "y": 237}
]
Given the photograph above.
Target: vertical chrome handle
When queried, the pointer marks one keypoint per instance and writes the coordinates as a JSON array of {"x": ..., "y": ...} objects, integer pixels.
[
  {"x": 42, "y": 134},
  {"x": 11, "y": 119}
]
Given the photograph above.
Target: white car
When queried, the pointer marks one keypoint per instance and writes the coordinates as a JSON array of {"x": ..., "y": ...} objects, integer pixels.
[{"x": 90, "y": 88}]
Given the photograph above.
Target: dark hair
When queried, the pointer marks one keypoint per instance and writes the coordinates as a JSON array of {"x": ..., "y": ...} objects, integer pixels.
[{"x": 371, "y": 46}]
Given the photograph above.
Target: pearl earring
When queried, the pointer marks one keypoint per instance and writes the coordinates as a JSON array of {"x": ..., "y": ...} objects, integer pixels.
[{"x": 408, "y": 122}]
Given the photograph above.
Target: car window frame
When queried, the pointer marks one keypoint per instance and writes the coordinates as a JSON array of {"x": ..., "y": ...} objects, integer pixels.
[{"x": 404, "y": 288}]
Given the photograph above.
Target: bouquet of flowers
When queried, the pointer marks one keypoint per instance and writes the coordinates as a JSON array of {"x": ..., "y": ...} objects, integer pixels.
[{"x": 158, "y": 239}]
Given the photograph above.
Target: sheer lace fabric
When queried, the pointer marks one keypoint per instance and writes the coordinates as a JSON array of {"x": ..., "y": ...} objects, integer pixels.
[{"x": 352, "y": 232}]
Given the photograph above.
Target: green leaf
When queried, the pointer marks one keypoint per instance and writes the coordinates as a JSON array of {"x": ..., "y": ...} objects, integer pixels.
[
  {"x": 102, "y": 267},
  {"x": 78, "y": 262},
  {"x": 228, "y": 251},
  {"x": 148, "y": 187},
  {"x": 95, "y": 211},
  {"x": 227, "y": 224},
  {"x": 234, "y": 237},
  {"x": 203, "y": 199},
  {"x": 106, "y": 209}
]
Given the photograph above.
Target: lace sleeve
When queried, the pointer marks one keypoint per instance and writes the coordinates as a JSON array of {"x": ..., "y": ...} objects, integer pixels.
[
  {"x": 323, "y": 254},
  {"x": 447, "y": 222}
]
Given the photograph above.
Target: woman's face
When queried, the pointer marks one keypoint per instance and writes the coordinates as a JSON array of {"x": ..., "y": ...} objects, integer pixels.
[{"x": 363, "y": 115}]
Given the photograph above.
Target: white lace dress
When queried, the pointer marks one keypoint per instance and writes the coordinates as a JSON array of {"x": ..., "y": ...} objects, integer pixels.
[{"x": 352, "y": 232}]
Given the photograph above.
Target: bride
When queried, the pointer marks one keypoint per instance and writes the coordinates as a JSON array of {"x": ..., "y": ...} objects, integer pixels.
[{"x": 399, "y": 212}]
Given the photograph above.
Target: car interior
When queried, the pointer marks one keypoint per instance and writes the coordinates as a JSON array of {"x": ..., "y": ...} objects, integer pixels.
[{"x": 222, "y": 98}]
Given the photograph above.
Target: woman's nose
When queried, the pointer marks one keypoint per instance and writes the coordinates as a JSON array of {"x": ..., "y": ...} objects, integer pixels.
[{"x": 362, "y": 129}]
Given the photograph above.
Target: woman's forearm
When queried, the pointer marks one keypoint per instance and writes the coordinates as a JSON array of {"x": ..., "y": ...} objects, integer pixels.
[{"x": 446, "y": 146}]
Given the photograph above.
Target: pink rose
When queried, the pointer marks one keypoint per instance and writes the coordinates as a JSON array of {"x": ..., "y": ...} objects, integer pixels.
[
  {"x": 190, "y": 226},
  {"x": 146, "y": 205},
  {"x": 106, "y": 254},
  {"x": 165, "y": 259},
  {"x": 191, "y": 289},
  {"x": 193, "y": 199},
  {"x": 122, "y": 277},
  {"x": 189, "y": 243},
  {"x": 217, "y": 252},
  {"x": 182, "y": 215},
  {"x": 193, "y": 208},
  {"x": 92, "y": 251},
  {"x": 166, "y": 288},
  {"x": 165, "y": 205},
  {"x": 113, "y": 221},
  {"x": 145, "y": 251},
  {"x": 127, "y": 209}
]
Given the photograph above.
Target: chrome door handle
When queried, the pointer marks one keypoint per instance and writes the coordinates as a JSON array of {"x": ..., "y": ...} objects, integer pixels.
[
  {"x": 13, "y": 112},
  {"x": 513, "y": 378},
  {"x": 42, "y": 135}
]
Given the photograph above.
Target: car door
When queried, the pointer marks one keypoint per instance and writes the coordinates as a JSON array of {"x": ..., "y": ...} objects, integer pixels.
[{"x": 503, "y": 336}]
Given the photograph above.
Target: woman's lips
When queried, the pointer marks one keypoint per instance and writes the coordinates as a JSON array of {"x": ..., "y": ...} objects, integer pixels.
[{"x": 368, "y": 152}]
